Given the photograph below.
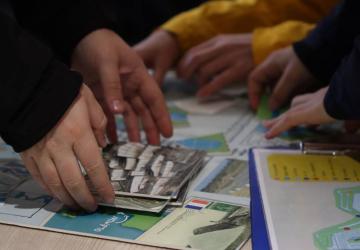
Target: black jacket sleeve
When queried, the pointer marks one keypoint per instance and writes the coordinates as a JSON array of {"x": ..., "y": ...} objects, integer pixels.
[
  {"x": 342, "y": 100},
  {"x": 35, "y": 89},
  {"x": 322, "y": 51},
  {"x": 62, "y": 23}
]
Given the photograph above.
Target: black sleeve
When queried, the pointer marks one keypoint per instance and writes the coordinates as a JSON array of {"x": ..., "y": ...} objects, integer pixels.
[
  {"x": 322, "y": 51},
  {"x": 61, "y": 23},
  {"x": 35, "y": 89},
  {"x": 342, "y": 100}
]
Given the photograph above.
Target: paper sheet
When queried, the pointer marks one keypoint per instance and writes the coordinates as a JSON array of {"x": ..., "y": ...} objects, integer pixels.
[
  {"x": 303, "y": 215},
  {"x": 286, "y": 167},
  {"x": 194, "y": 106}
]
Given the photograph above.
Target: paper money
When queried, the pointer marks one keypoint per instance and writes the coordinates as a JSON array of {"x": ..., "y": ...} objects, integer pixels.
[
  {"x": 150, "y": 171},
  {"x": 138, "y": 204}
]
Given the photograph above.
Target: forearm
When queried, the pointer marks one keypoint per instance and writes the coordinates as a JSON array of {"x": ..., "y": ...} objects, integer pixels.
[
  {"x": 342, "y": 100},
  {"x": 322, "y": 51}
]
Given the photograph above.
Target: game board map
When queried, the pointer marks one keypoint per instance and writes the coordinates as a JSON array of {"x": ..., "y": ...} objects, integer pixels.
[
  {"x": 210, "y": 221},
  {"x": 345, "y": 235},
  {"x": 179, "y": 119},
  {"x": 213, "y": 144},
  {"x": 224, "y": 179},
  {"x": 209, "y": 106},
  {"x": 203, "y": 224}
]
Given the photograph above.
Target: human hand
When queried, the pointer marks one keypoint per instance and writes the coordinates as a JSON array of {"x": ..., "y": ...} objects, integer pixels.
[
  {"x": 122, "y": 85},
  {"x": 53, "y": 161},
  {"x": 159, "y": 51},
  {"x": 305, "y": 109},
  {"x": 218, "y": 62},
  {"x": 285, "y": 74}
]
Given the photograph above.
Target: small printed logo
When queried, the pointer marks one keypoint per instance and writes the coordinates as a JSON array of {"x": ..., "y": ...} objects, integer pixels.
[{"x": 197, "y": 204}]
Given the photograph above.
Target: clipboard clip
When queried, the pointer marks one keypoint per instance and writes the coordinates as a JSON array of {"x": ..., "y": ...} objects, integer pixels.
[{"x": 344, "y": 144}]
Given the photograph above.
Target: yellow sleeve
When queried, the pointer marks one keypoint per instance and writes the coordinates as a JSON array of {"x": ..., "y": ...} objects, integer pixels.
[
  {"x": 213, "y": 18},
  {"x": 241, "y": 16},
  {"x": 267, "y": 40}
]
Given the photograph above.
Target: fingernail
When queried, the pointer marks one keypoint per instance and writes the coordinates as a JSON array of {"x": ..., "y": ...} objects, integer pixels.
[
  {"x": 103, "y": 142},
  {"x": 92, "y": 208},
  {"x": 117, "y": 107},
  {"x": 109, "y": 199}
]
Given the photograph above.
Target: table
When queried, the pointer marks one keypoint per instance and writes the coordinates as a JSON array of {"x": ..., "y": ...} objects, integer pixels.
[{"x": 13, "y": 237}]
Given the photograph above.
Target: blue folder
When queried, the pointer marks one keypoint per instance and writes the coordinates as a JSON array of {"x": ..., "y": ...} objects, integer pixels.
[{"x": 259, "y": 234}]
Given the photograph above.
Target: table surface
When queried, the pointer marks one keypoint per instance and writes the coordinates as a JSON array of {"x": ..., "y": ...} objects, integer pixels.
[{"x": 13, "y": 237}]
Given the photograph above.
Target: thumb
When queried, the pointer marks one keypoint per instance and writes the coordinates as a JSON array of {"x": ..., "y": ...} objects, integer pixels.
[{"x": 97, "y": 117}]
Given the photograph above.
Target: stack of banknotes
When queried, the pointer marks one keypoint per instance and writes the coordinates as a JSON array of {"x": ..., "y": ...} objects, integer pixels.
[{"x": 150, "y": 178}]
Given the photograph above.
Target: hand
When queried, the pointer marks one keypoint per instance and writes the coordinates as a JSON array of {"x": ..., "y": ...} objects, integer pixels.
[
  {"x": 53, "y": 161},
  {"x": 305, "y": 109},
  {"x": 285, "y": 74},
  {"x": 218, "y": 62},
  {"x": 122, "y": 85},
  {"x": 159, "y": 52}
]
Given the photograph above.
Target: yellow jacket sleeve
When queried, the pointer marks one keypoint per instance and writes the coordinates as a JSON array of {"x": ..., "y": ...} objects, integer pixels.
[
  {"x": 241, "y": 16},
  {"x": 266, "y": 40}
]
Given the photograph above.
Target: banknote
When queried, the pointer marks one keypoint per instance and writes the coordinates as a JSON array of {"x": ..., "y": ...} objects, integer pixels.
[
  {"x": 138, "y": 204},
  {"x": 151, "y": 171},
  {"x": 180, "y": 198}
]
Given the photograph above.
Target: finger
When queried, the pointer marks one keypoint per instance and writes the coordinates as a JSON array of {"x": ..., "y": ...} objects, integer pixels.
[
  {"x": 263, "y": 75},
  {"x": 269, "y": 123},
  {"x": 111, "y": 129},
  {"x": 34, "y": 172},
  {"x": 283, "y": 88},
  {"x": 52, "y": 180},
  {"x": 289, "y": 120},
  {"x": 97, "y": 117},
  {"x": 131, "y": 123},
  {"x": 192, "y": 61},
  {"x": 212, "y": 68},
  {"x": 153, "y": 98},
  {"x": 72, "y": 178},
  {"x": 151, "y": 131},
  {"x": 208, "y": 43},
  {"x": 112, "y": 90},
  {"x": 300, "y": 99},
  {"x": 90, "y": 157},
  {"x": 219, "y": 82}
]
